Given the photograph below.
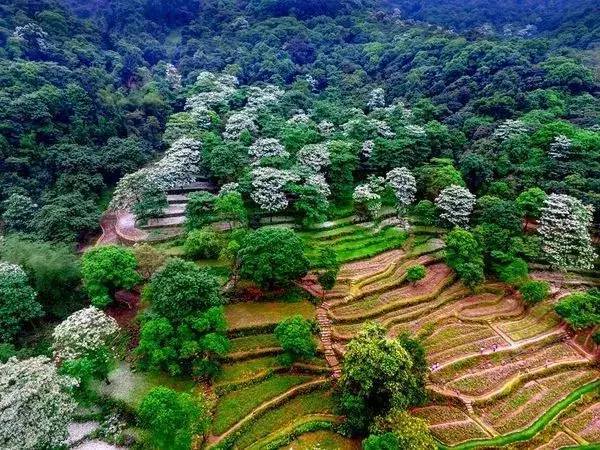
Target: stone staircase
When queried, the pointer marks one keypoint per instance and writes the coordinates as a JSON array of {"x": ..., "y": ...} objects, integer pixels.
[{"x": 173, "y": 217}]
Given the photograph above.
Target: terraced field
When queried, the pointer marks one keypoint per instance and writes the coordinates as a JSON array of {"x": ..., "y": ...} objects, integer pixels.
[
  {"x": 500, "y": 373},
  {"x": 260, "y": 403}
]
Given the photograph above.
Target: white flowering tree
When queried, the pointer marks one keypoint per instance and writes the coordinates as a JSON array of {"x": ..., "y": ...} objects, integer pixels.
[
  {"x": 559, "y": 149},
  {"x": 367, "y": 149},
  {"x": 318, "y": 181},
  {"x": 173, "y": 76},
  {"x": 267, "y": 148},
  {"x": 376, "y": 99},
  {"x": 180, "y": 165},
  {"x": 367, "y": 202},
  {"x": 509, "y": 128},
  {"x": 35, "y": 405},
  {"x": 268, "y": 186},
  {"x": 239, "y": 122},
  {"x": 403, "y": 183},
  {"x": 312, "y": 158},
  {"x": 456, "y": 205},
  {"x": 228, "y": 188},
  {"x": 260, "y": 97},
  {"x": 82, "y": 333},
  {"x": 564, "y": 227},
  {"x": 326, "y": 128}
]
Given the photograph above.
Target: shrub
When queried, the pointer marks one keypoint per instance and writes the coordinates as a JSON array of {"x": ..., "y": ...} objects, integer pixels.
[
  {"x": 202, "y": 244},
  {"x": 514, "y": 271},
  {"x": 425, "y": 213},
  {"x": 415, "y": 273},
  {"x": 295, "y": 337},
  {"x": 534, "y": 291}
]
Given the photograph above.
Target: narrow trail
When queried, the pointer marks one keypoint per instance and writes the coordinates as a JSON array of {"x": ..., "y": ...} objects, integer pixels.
[{"x": 264, "y": 407}]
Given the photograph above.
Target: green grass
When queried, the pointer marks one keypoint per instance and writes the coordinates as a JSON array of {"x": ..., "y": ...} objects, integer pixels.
[
  {"x": 236, "y": 405},
  {"x": 533, "y": 429},
  {"x": 256, "y": 314},
  {"x": 314, "y": 402},
  {"x": 361, "y": 244},
  {"x": 246, "y": 369},
  {"x": 243, "y": 344}
]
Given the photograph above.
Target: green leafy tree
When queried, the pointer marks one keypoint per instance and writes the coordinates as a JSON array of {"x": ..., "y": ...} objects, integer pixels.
[
  {"x": 464, "y": 255},
  {"x": 54, "y": 271},
  {"x": 531, "y": 202},
  {"x": 18, "y": 213},
  {"x": 399, "y": 430},
  {"x": 327, "y": 260},
  {"x": 310, "y": 204},
  {"x": 181, "y": 289},
  {"x": 415, "y": 273},
  {"x": 378, "y": 375},
  {"x": 173, "y": 419},
  {"x": 230, "y": 208},
  {"x": 580, "y": 309},
  {"x": 272, "y": 256},
  {"x": 534, "y": 291},
  {"x": 66, "y": 218},
  {"x": 105, "y": 270},
  {"x": 194, "y": 346},
  {"x": 295, "y": 337},
  {"x": 18, "y": 303},
  {"x": 199, "y": 210},
  {"x": 512, "y": 270},
  {"x": 438, "y": 175}
]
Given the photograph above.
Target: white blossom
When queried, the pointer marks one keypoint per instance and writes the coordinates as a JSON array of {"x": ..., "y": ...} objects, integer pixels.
[
  {"x": 318, "y": 181},
  {"x": 366, "y": 202},
  {"x": 566, "y": 241},
  {"x": 239, "y": 122},
  {"x": 216, "y": 89},
  {"x": 559, "y": 149},
  {"x": 367, "y": 149},
  {"x": 325, "y": 127},
  {"x": 268, "y": 188},
  {"x": 267, "y": 148},
  {"x": 228, "y": 188},
  {"x": 35, "y": 406},
  {"x": 83, "y": 332},
  {"x": 455, "y": 204},
  {"x": 383, "y": 129},
  {"x": 260, "y": 97},
  {"x": 313, "y": 157},
  {"x": 173, "y": 76},
  {"x": 179, "y": 165},
  {"x": 415, "y": 131},
  {"x": 299, "y": 117},
  {"x": 509, "y": 128},
  {"x": 376, "y": 99},
  {"x": 403, "y": 183}
]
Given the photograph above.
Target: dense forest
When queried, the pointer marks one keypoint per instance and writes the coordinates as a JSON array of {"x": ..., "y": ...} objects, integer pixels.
[{"x": 309, "y": 186}]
